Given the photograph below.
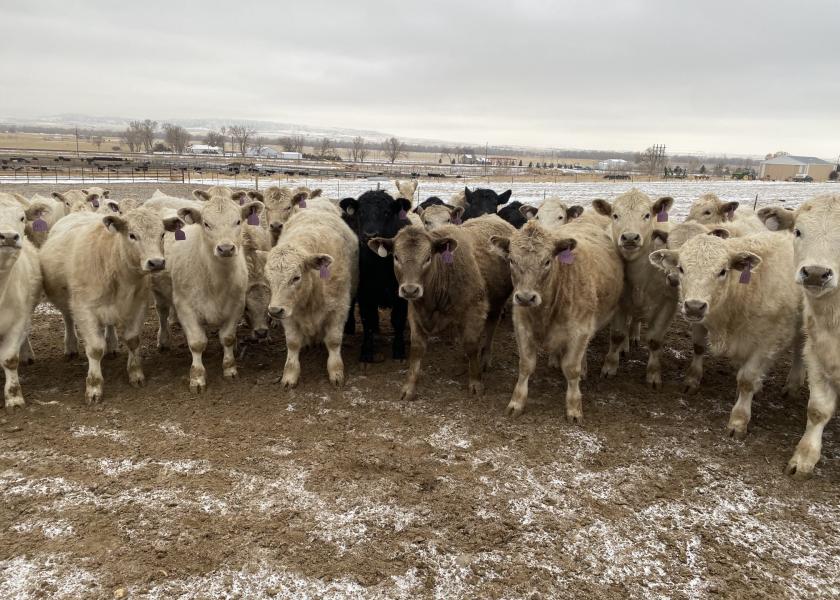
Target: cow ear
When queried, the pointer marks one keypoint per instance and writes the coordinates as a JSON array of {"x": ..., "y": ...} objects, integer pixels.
[
  {"x": 401, "y": 204},
  {"x": 528, "y": 211},
  {"x": 663, "y": 204},
  {"x": 106, "y": 193},
  {"x": 564, "y": 245},
  {"x": 602, "y": 207},
  {"x": 298, "y": 198},
  {"x": 113, "y": 206},
  {"x": 316, "y": 193},
  {"x": 501, "y": 245},
  {"x": 573, "y": 212},
  {"x": 720, "y": 232},
  {"x": 190, "y": 216},
  {"x": 776, "y": 218},
  {"x": 85, "y": 192},
  {"x": 93, "y": 199},
  {"x": 456, "y": 213},
  {"x": 255, "y": 195},
  {"x": 115, "y": 224},
  {"x": 660, "y": 238},
  {"x": 37, "y": 210},
  {"x": 440, "y": 245},
  {"x": 349, "y": 206},
  {"x": 664, "y": 259},
  {"x": 504, "y": 197},
  {"x": 172, "y": 223},
  {"x": 318, "y": 261},
  {"x": 201, "y": 195},
  {"x": 255, "y": 207},
  {"x": 741, "y": 261},
  {"x": 60, "y": 197},
  {"x": 467, "y": 194},
  {"x": 381, "y": 246},
  {"x": 728, "y": 208}
]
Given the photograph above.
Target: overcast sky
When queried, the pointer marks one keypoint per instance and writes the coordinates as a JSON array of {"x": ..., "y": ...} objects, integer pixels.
[{"x": 715, "y": 76}]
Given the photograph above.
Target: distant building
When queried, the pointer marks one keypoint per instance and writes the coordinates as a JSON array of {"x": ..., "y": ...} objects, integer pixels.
[
  {"x": 473, "y": 159},
  {"x": 204, "y": 149},
  {"x": 614, "y": 164},
  {"x": 290, "y": 156},
  {"x": 782, "y": 168}
]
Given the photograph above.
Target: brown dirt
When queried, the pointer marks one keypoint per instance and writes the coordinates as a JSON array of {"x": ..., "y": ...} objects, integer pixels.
[{"x": 251, "y": 491}]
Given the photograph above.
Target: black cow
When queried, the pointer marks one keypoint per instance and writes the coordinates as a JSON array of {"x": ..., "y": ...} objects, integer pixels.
[
  {"x": 483, "y": 202},
  {"x": 512, "y": 214},
  {"x": 430, "y": 201},
  {"x": 378, "y": 214}
]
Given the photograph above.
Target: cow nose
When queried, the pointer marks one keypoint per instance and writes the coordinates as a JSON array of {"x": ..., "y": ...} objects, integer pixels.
[
  {"x": 225, "y": 249},
  {"x": 155, "y": 264},
  {"x": 370, "y": 234},
  {"x": 261, "y": 334},
  {"x": 9, "y": 237},
  {"x": 814, "y": 276},
  {"x": 525, "y": 298},
  {"x": 410, "y": 291},
  {"x": 695, "y": 308},
  {"x": 276, "y": 227},
  {"x": 673, "y": 279},
  {"x": 630, "y": 238},
  {"x": 277, "y": 312}
]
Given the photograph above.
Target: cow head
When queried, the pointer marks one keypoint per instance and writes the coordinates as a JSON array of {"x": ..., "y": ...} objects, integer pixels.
[
  {"x": 258, "y": 294},
  {"x": 706, "y": 267},
  {"x": 415, "y": 251},
  {"x": 378, "y": 214},
  {"x": 438, "y": 215},
  {"x": 292, "y": 273},
  {"x": 708, "y": 209},
  {"x": 816, "y": 241},
  {"x": 482, "y": 201},
  {"x": 13, "y": 220},
  {"x": 532, "y": 253},
  {"x": 633, "y": 217},
  {"x": 220, "y": 222},
  {"x": 406, "y": 189},
  {"x": 551, "y": 213},
  {"x": 101, "y": 192},
  {"x": 511, "y": 213},
  {"x": 142, "y": 232}
]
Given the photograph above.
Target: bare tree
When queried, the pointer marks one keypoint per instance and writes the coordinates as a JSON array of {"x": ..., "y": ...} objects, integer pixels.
[
  {"x": 177, "y": 137},
  {"x": 214, "y": 138},
  {"x": 145, "y": 131},
  {"x": 394, "y": 149},
  {"x": 651, "y": 161},
  {"x": 325, "y": 148},
  {"x": 448, "y": 153},
  {"x": 129, "y": 137},
  {"x": 358, "y": 151},
  {"x": 240, "y": 135}
]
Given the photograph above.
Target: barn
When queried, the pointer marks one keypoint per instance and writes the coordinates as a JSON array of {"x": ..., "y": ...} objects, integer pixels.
[{"x": 785, "y": 167}]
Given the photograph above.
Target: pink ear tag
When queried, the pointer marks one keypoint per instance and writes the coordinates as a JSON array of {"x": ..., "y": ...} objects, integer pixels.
[
  {"x": 662, "y": 216},
  {"x": 447, "y": 256},
  {"x": 253, "y": 218},
  {"x": 302, "y": 204},
  {"x": 94, "y": 202},
  {"x": 730, "y": 215},
  {"x": 179, "y": 233},
  {"x": 39, "y": 224},
  {"x": 324, "y": 271},
  {"x": 566, "y": 257},
  {"x": 241, "y": 200},
  {"x": 456, "y": 221},
  {"x": 403, "y": 216},
  {"x": 745, "y": 275}
]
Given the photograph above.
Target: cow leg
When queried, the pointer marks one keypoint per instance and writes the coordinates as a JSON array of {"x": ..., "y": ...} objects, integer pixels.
[
  {"x": 164, "y": 337},
  {"x": 369, "y": 311},
  {"x": 399, "y": 316},
  {"x": 796, "y": 375},
  {"x": 294, "y": 341},
  {"x": 527, "y": 363},
  {"x": 227, "y": 336},
  {"x": 490, "y": 326},
  {"x": 111, "y": 341},
  {"x": 332, "y": 340},
  {"x": 695, "y": 371},
  {"x": 471, "y": 334},
  {"x": 350, "y": 323},
  {"x": 10, "y": 357},
  {"x": 635, "y": 336},
  {"x": 418, "y": 351},
  {"x": 821, "y": 406},
  {"x": 27, "y": 356},
  {"x": 572, "y": 365},
  {"x": 71, "y": 342},
  {"x": 197, "y": 341},
  {"x": 92, "y": 334},
  {"x": 131, "y": 337},
  {"x": 618, "y": 337},
  {"x": 749, "y": 381},
  {"x": 655, "y": 336}
]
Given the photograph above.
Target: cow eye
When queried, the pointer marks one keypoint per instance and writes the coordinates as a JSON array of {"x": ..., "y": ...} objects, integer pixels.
[
  {"x": 646, "y": 217},
  {"x": 707, "y": 213},
  {"x": 238, "y": 222},
  {"x": 560, "y": 218},
  {"x": 797, "y": 233},
  {"x": 547, "y": 263},
  {"x": 162, "y": 235},
  {"x": 680, "y": 269},
  {"x": 133, "y": 237},
  {"x": 615, "y": 217},
  {"x": 722, "y": 273},
  {"x": 206, "y": 225},
  {"x": 295, "y": 279},
  {"x": 22, "y": 219}
]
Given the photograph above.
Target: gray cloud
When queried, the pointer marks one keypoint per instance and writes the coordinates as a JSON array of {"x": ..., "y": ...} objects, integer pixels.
[{"x": 738, "y": 77}]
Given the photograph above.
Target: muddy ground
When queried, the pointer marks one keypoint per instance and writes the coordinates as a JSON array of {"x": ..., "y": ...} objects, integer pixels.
[{"x": 249, "y": 491}]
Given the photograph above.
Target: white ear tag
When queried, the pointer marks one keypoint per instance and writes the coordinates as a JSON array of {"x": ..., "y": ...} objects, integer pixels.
[
  {"x": 772, "y": 224},
  {"x": 382, "y": 251},
  {"x": 112, "y": 228}
]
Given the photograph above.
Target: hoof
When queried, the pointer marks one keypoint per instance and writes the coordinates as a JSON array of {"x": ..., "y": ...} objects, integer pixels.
[
  {"x": 514, "y": 410},
  {"x": 337, "y": 380},
  {"x": 15, "y": 402},
  {"x": 93, "y": 396},
  {"x": 797, "y": 471},
  {"x": 476, "y": 388},
  {"x": 137, "y": 381},
  {"x": 575, "y": 418},
  {"x": 197, "y": 387},
  {"x": 408, "y": 395},
  {"x": 288, "y": 384},
  {"x": 231, "y": 373},
  {"x": 736, "y": 433}
]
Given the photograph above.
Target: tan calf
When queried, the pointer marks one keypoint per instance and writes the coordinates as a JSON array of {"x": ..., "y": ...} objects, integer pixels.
[
  {"x": 741, "y": 291},
  {"x": 438, "y": 215},
  {"x": 97, "y": 274},
  {"x": 313, "y": 272},
  {"x": 565, "y": 288},
  {"x": 816, "y": 265},
  {"x": 708, "y": 209},
  {"x": 451, "y": 279},
  {"x": 552, "y": 213}
]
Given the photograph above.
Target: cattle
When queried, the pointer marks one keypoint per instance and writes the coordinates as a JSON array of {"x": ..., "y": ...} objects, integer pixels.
[
  {"x": 256, "y": 242},
  {"x": 565, "y": 288},
  {"x": 406, "y": 189},
  {"x": 378, "y": 214},
  {"x": 312, "y": 273},
  {"x": 209, "y": 276},
  {"x": 815, "y": 268},
  {"x": 741, "y": 291},
  {"x": 451, "y": 279},
  {"x": 44, "y": 213},
  {"x": 647, "y": 295},
  {"x": 77, "y": 201},
  {"x": 20, "y": 291},
  {"x": 96, "y": 272},
  {"x": 482, "y": 201},
  {"x": 708, "y": 209},
  {"x": 552, "y": 213},
  {"x": 438, "y": 215},
  {"x": 101, "y": 192},
  {"x": 511, "y": 213},
  {"x": 281, "y": 202}
]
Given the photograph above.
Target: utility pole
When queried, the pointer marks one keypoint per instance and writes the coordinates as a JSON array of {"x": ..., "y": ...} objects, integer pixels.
[{"x": 77, "y": 143}]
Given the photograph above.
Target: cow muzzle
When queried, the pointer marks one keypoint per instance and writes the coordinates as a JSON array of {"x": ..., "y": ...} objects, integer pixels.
[
  {"x": 816, "y": 279},
  {"x": 411, "y": 291},
  {"x": 695, "y": 310},
  {"x": 279, "y": 312},
  {"x": 10, "y": 239},
  {"x": 630, "y": 242},
  {"x": 225, "y": 250},
  {"x": 527, "y": 298},
  {"x": 155, "y": 264}
]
